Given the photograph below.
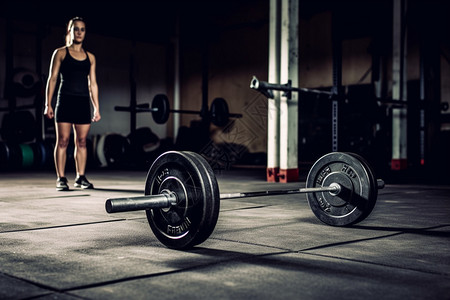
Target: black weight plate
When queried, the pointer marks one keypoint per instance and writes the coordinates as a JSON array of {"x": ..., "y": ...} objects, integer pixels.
[
  {"x": 4, "y": 156},
  {"x": 39, "y": 154},
  {"x": 115, "y": 148},
  {"x": 162, "y": 109},
  {"x": 210, "y": 219},
  {"x": 15, "y": 156},
  {"x": 373, "y": 179},
  {"x": 358, "y": 189},
  {"x": 194, "y": 217},
  {"x": 49, "y": 150},
  {"x": 219, "y": 112}
]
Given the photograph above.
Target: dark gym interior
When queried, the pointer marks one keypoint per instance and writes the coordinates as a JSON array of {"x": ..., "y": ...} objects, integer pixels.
[{"x": 258, "y": 103}]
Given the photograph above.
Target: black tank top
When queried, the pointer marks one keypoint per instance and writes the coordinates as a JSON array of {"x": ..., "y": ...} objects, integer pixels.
[{"x": 74, "y": 76}]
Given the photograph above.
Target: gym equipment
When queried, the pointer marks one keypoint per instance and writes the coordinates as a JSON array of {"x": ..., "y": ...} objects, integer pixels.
[
  {"x": 267, "y": 88},
  {"x": 39, "y": 153},
  {"x": 111, "y": 150},
  {"x": 182, "y": 197},
  {"x": 25, "y": 83},
  {"x": 335, "y": 95},
  {"x": 4, "y": 155},
  {"x": 160, "y": 109},
  {"x": 27, "y": 155},
  {"x": 18, "y": 126}
]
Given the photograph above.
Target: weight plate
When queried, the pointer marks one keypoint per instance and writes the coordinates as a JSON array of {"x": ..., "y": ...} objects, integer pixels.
[
  {"x": 210, "y": 219},
  {"x": 39, "y": 154},
  {"x": 100, "y": 153},
  {"x": 192, "y": 220},
  {"x": 4, "y": 156},
  {"x": 358, "y": 193},
  {"x": 161, "y": 107},
  {"x": 27, "y": 155},
  {"x": 115, "y": 148},
  {"x": 219, "y": 112},
  {"x": 26, "y": 83},
  {"x": 374, "y": 186},
  {"x": 49, "y": 153},
  {"x": 15, "y": 156}
]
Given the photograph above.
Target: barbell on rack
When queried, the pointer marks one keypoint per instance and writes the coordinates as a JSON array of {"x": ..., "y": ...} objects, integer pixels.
[
  {"x": 219, "y": 113},
  {"x": 267, "y": 89},
  {"x": 182, "y": 198}
]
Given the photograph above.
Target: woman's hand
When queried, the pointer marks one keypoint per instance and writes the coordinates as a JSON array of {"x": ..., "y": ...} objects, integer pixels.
[
  {"x": 96, "y": 116},
  {"x": 48, "y": 112}
]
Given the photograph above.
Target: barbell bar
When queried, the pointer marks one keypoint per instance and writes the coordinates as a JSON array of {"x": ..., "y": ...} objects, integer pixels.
[
  {"x": 267, "y": 88},
  {"x": 168, "y": 198},
  {"x": 182, "y": 196},
  {"x": 334, "y": 189},
  {"x": 160, "y": 109}
]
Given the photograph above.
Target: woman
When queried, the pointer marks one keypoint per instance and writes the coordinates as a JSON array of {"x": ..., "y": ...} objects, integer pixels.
[{"x": 77, "y": 89}]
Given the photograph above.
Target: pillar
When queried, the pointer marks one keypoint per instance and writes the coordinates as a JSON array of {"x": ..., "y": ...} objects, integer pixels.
[
  {"x": 273, "y": 110},
  {"x": 399, "y": 86},
  {"x": 289, "y": 101},
  {"x": 176, "y": 79}
]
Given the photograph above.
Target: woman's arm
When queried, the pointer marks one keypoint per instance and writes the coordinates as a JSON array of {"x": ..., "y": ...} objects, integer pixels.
[
  {"x": 55, "y": 65},
  {"x": 93, "y": 87}
]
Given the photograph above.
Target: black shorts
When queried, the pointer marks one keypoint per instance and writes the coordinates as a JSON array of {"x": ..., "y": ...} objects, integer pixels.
[{"x": 73, "y": 109}]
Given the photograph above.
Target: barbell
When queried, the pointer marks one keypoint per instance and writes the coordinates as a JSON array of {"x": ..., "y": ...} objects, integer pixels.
[
  {"x": 182, "y": 198},
  {"x": 267, "y": 89},
  {"x": 219, "y": 113}
]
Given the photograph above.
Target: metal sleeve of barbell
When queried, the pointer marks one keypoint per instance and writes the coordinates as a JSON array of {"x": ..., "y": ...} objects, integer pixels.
[
  {"x": 135, "y": 109},
  {"x": 164, "y": 200},
  {"x": 122, "y": 108},
  {"x": 146, "y": 109},
  {"x": 263, "y": 85},
  {"x": 284, "y": 88},
  {"x": 183, "y": 111},
  {"x": 313, "y": 91},
  {"x": 278, "y": 192}
]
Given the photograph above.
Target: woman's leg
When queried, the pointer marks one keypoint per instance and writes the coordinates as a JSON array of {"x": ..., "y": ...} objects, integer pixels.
[
  {"x": 80, "y": 134},
  {"x": 62, "y": 141}
]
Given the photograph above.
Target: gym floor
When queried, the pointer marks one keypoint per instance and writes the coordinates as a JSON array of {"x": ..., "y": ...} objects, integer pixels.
[{"x": 63, "y": 245}]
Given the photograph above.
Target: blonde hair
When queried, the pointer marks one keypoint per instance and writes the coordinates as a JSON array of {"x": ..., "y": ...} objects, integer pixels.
[{"x": 68, "y": 37}]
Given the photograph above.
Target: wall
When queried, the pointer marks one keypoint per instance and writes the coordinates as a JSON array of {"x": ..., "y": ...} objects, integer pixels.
[
  {"x": 237, "y": 49},
  {"x": 113, "y": 57}
]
